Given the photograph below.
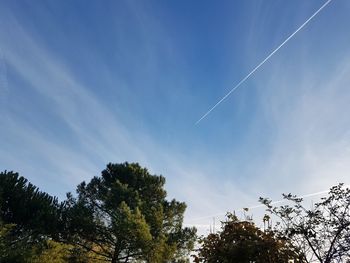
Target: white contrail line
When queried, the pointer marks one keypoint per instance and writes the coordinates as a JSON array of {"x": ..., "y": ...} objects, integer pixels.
[
  {"x": 263, "y": 62},
  {"x": 262, "y": 205}
]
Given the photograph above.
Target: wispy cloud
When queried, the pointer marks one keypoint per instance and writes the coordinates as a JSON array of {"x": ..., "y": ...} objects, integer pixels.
[
  {"x": 311, "y": 145},
  {"x": 298, "y": 140},
  {"x": 98, "y": 133},
  {"x": 96, "y": 129}
]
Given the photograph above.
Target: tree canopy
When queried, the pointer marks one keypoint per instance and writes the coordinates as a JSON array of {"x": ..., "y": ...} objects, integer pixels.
[
  {"x": 24, "y": 205},
  {"x": 28, "y": 217},
  {"x": 123, "y": 215},
  {"x": 241, "y": 241},
  {"x": 322, "y": 231}
]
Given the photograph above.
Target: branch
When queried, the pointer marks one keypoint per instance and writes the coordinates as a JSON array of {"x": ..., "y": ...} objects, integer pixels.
[{"x": 329, "y": 254}]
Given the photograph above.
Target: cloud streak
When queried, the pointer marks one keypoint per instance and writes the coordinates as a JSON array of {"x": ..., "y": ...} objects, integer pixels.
[
  {"x": 258, "y": 206},
  {"x": 99, "y": 135}
]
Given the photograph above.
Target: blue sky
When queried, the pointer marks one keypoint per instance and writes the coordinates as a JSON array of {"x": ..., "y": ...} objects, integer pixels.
[{"x": 84, "y": 83}]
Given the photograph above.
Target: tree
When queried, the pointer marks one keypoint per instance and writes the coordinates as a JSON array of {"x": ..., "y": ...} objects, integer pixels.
[
  {"x": 27, "y": 217},
  {"x": 322, "y": 232},
  {"x": 9, "y": 253},
  {"x": 243, "y": 242},
  {"x": 51, "y": 251},
  {"x": 123, "y": 215},
  {"x": 32, "y": 211},
  {"x": 58, "y": 252}
]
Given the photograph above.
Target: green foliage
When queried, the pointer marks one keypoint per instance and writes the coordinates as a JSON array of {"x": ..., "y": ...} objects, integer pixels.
[
  {"x": 57, "y": 252},
  {"x": 34, "y": 213},
  {"x": 52, "y": 252},
  {"x": 4, "y": 234},
  {"x": 322, "y": 232},
  {"x": 243, "y": 242},
  {"x": 123, "y": 216},
  {"x": 8, "y": 252},
  {"x": 28, "y": 216}
]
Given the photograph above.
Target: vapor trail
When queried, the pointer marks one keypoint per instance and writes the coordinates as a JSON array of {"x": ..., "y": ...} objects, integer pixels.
[
  {"x": 261, "y": 205},
  {"x": 263, "y": 62}
]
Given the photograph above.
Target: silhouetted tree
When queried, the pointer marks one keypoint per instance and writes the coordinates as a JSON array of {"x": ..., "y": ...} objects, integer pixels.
[
  {"x": 27, "y": 217},
  {"x": 322, "y": 232}
]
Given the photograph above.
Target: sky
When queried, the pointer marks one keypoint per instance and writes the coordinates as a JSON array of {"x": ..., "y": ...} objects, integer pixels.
[{"x": 85, "y": 83}]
